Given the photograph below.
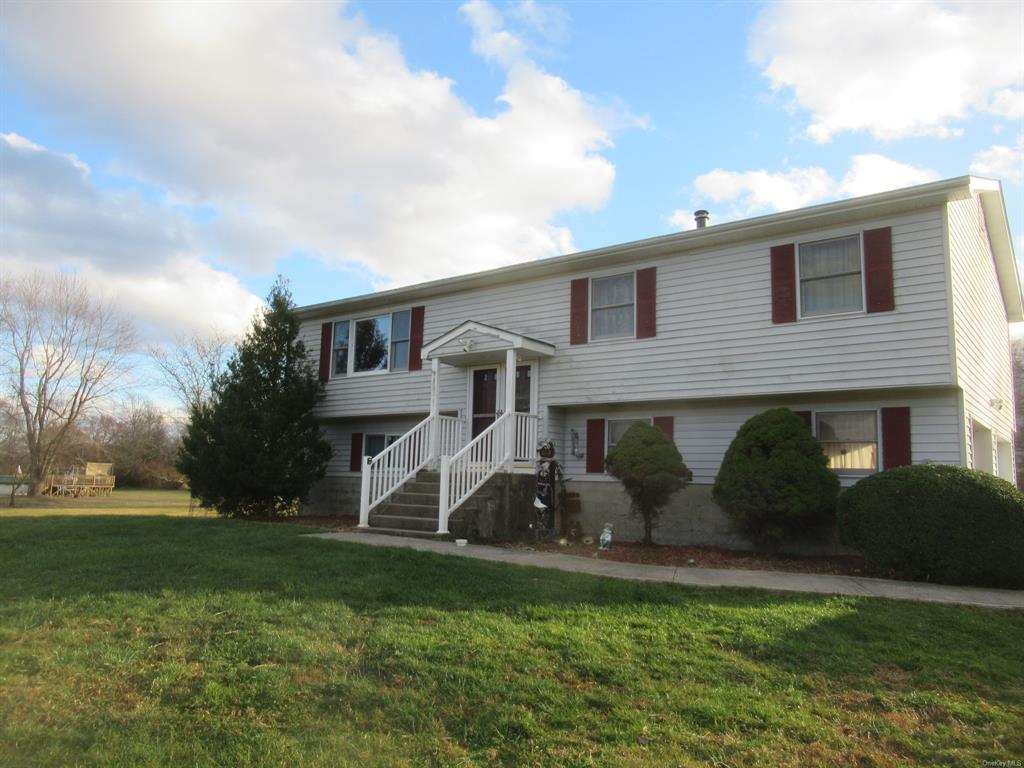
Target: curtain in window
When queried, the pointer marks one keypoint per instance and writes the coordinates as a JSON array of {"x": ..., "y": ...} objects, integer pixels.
[
  {"x": 612, "y": 313},
  {"x": 850, "y": 439},
  {"x": 830, "y": 279}
]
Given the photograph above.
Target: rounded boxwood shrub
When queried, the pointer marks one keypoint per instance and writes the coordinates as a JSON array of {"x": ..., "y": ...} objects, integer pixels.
[
  {"x": 932, "y": 522},
  {"x": 775, "y": 482}
]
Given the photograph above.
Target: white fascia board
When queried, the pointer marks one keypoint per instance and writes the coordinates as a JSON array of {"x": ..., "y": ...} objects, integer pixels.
[
  {"x": 774, "y": 225},
  {"x": 518, "y": 341},
  {"x": 993, "y": 206}
]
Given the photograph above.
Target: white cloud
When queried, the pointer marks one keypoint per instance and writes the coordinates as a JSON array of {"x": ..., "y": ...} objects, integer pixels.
[
  {"x": 144, "y": 257},
  {"x": 892, "y": 69},
  {"x": 308, "y": 131},
  {"x": 875, "y": 173},
  {"x": 1001, "y": 162},
  {"x": 756, "y": 192}
]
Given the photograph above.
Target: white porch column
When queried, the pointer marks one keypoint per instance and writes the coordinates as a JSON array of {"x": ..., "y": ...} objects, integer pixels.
[
  {"x": 510, "y": 405},
  {"x": 435, "y": 407}
]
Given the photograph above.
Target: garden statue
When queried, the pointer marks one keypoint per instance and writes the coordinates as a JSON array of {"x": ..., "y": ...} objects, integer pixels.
[
  {"x": 606, "y": 537},
  {"x": 549, "y": 485}
]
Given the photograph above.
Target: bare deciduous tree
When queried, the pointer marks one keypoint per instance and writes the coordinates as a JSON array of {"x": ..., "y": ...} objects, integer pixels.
[
  {"x": 190, "y": 364},
  {"x": 62, "y": 350}
]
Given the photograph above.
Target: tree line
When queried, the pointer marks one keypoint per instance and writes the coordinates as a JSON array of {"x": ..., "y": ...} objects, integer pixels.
[{"x": 248, "y": 443}]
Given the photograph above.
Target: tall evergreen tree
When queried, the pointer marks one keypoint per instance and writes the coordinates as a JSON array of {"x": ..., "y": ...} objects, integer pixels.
[{"x": 255, "y": 448}]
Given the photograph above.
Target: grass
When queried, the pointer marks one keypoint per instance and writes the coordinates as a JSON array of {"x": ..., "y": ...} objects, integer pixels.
[{"x": 145, "y": 640}]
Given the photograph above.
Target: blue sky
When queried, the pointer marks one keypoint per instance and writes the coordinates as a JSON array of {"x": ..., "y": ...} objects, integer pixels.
[{"x": 184, "y": 154}]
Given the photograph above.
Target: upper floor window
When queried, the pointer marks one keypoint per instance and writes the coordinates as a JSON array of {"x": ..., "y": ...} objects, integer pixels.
[
  {"x": 400, "y": 340},
  {"x": 849, "y": 439},
  {"x": 830, "y": 277},
  {"x": 373, "y": 340},
  {"x": 613, "y": 304},
  {"x": 340, "y": 348}
]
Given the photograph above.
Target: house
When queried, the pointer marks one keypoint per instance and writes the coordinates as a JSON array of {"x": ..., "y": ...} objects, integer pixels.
[{"x": 882, "y": 320}]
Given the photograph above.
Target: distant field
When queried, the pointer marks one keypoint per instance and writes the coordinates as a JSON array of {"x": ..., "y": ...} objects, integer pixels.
[{"x": 127, "y": 501}]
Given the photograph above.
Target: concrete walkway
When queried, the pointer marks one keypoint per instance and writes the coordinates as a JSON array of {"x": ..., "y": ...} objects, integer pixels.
[{"x": 705, "y": 577}]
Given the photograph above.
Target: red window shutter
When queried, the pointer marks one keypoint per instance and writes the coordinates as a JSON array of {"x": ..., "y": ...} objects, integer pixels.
[
  {"x": 595, "y": 446},
  {"x": 895, "y": 437},
  {"x": 355, "y": 460},
  {"x": 326, "y": 339},
  {"x": 806, "y": 416},
  {"x": 416, "y": 339},
  {"x": 666, "y": 424},
  {"x": 878, "y": 270},
  {"x": 579, "y": 303},
  {"x": 784, "y": 283},
  {"x": 646, "y": 302}
]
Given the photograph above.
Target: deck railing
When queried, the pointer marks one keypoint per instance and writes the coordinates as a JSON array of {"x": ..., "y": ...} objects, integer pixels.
[
  {"x": 386, "y": 472},
  {"x": 463, "y": 473}
]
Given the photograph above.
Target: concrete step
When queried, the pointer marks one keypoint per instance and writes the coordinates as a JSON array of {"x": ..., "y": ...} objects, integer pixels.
[
  {"x": 404, "y": 523},
  {"x": 419, "y": 486},
  {"x": 408, "y": 497},
  {"x": 428, "y": 476},
  {"x": 406, "y": 510},
  {"x": 411, "y": 534}
]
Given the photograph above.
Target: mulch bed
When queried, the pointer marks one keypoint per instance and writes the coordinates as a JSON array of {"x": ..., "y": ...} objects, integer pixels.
[
  {"x": 659, "y": 554},
  {"x": 704, "y": 557}
]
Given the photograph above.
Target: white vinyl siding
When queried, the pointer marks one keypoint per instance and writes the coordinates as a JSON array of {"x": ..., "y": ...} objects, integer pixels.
[
  {"x": 980, "y": 333},
  {"x": 704, "y": 430},
  {"x": 715, "y": 335}
]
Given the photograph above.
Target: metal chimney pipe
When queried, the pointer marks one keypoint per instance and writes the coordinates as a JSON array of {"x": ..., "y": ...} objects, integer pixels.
[{"x": 702, "y": 218}]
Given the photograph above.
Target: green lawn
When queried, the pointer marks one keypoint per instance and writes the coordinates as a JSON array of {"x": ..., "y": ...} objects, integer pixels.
[{"x": 141, "y": 640}]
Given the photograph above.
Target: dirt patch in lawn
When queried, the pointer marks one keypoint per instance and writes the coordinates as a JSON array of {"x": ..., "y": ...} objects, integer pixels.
[{"x": 703, "y": 557}]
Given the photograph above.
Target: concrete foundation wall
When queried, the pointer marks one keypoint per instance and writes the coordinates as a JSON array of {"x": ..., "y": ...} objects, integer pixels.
[
  {"x": 334, "y": 496},
  {"x": 691, "y": 518}
]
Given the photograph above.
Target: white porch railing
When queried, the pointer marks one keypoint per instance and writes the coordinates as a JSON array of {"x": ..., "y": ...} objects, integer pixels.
[
  {"x": 449, "y": 438},
  {"x": 463, "y": 473},
  {"x": 386, "y": 472},
  {"x": 526, "y": 436}
]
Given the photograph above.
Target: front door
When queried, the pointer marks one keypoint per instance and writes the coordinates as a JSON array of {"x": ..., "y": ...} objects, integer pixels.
[{"x": 485, "y": 398}]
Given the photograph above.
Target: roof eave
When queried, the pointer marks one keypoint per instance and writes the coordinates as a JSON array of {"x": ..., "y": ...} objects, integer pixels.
[
  {"x": 895, "y": 201},
  {"x": 993, "y": 206}
]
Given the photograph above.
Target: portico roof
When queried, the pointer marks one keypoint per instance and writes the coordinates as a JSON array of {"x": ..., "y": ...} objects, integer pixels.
[{"x": 476, "y": 343}]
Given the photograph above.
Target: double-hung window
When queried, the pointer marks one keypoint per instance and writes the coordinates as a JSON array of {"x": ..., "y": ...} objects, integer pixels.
[
  {"x": 617, "y": 428},
  {"x": 830, "y": 277},
  {"x": 373, "y": 340},
  {"x": 849, "y": 440},
  {"x": 400, "y": 340},
  {"x": 613, "y": 306},
  {"x": 341, "y": 348}
]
